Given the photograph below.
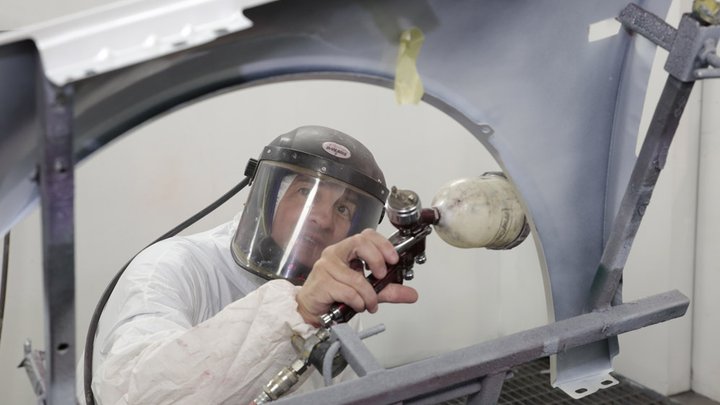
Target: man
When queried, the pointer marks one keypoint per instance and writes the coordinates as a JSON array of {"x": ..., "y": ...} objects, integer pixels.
[{"x": 195, "y": 320}]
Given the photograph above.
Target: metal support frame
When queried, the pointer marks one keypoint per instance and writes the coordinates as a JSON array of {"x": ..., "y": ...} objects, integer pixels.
[
  {"x": 684, "y": 45},
  {"x": 639, "y": 190},
  {"x": 478, "y": 368},
  {"x": 56, "y": 177},
  {"x": 354, "y": 351},
  {"x": 481, "y": 391},
  {"x": 491, "y": 388}
]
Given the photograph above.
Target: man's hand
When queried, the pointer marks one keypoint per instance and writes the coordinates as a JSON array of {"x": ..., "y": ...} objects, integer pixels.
[{"x": 332, "y": 280}]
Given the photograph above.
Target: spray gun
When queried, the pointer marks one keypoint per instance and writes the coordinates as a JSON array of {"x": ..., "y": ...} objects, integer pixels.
[
  {"x": 413, "y": 223},
  {"x": 466, "y": 213},
  {"x": 472, "y": 212}
]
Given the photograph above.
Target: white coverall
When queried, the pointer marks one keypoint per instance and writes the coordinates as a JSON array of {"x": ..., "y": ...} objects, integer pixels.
[{"x": 175, "y": 330}]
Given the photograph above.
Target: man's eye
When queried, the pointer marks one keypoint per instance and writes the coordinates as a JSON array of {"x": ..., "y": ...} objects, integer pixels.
[
  {"x": 344, "y": 210},
  {"x": 304, "y": 191}
]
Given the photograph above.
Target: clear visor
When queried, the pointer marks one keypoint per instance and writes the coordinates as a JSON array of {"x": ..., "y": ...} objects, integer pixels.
[{"x": 292, "y": 215}]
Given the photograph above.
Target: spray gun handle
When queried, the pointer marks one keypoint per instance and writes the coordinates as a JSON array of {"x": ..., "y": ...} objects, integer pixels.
[
  {"x": 408, "y": 247},
  {"x": 405, "y": 212},
  {"x": 342, "y": 312}
]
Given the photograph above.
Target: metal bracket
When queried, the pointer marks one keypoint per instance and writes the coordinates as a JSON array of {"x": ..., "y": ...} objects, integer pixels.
[
  {"x": 582, "y": 387},
  {"x": 350, "y": 345},
  {"x": 34, "y": 364},
  {"x": 692, "y": 46},
  {"x": 647, "y": 24}
]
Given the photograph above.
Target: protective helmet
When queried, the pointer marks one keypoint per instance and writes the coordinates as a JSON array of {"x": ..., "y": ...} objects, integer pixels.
[{"x": 312, "y": 187}]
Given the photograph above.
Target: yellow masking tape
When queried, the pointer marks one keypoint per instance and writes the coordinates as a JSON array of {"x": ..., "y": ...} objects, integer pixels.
[
  {"x": 707, "y": 10},
  {"x": 408, "y": 85}
]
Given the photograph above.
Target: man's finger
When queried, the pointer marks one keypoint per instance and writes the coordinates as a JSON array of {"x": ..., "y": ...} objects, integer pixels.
[
  {"x": 387, "y": 249},
  {"x": 398, "y": 293},
  {"x": 356, "y": 280},
  {"x": 349, "y": 296},
  {"x": 375, "y": 250}
]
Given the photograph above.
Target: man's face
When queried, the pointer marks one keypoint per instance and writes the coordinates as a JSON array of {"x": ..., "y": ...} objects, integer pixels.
[{"x": 324, "y": 209}]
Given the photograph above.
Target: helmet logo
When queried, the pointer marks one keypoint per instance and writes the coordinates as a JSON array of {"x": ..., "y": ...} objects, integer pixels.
[{"x": 336, "y": 150}]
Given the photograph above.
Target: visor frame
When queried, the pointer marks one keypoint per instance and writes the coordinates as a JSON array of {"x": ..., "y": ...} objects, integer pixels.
[{"x": 327, "y": 167}]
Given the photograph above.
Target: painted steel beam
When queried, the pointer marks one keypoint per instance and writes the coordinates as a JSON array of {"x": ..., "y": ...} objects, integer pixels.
[
  {"x": 472, "y": 363},
  {"x": 57, "y": 191}
]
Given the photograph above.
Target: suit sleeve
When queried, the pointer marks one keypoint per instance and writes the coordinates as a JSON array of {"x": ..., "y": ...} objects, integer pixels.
[{"x": 151, "y": 353}]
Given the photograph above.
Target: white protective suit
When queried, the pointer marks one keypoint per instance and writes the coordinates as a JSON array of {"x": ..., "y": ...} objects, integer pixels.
[{"x": 187, "y": 325}]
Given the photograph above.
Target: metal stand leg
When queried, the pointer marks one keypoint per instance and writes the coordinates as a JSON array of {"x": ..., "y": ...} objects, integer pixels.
[
  {"x": 57, "y": 199},
  {"x": 490, "y": 391},
  {"x": 637, "y": 195},
  {"x": 354, "y": 351}
]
